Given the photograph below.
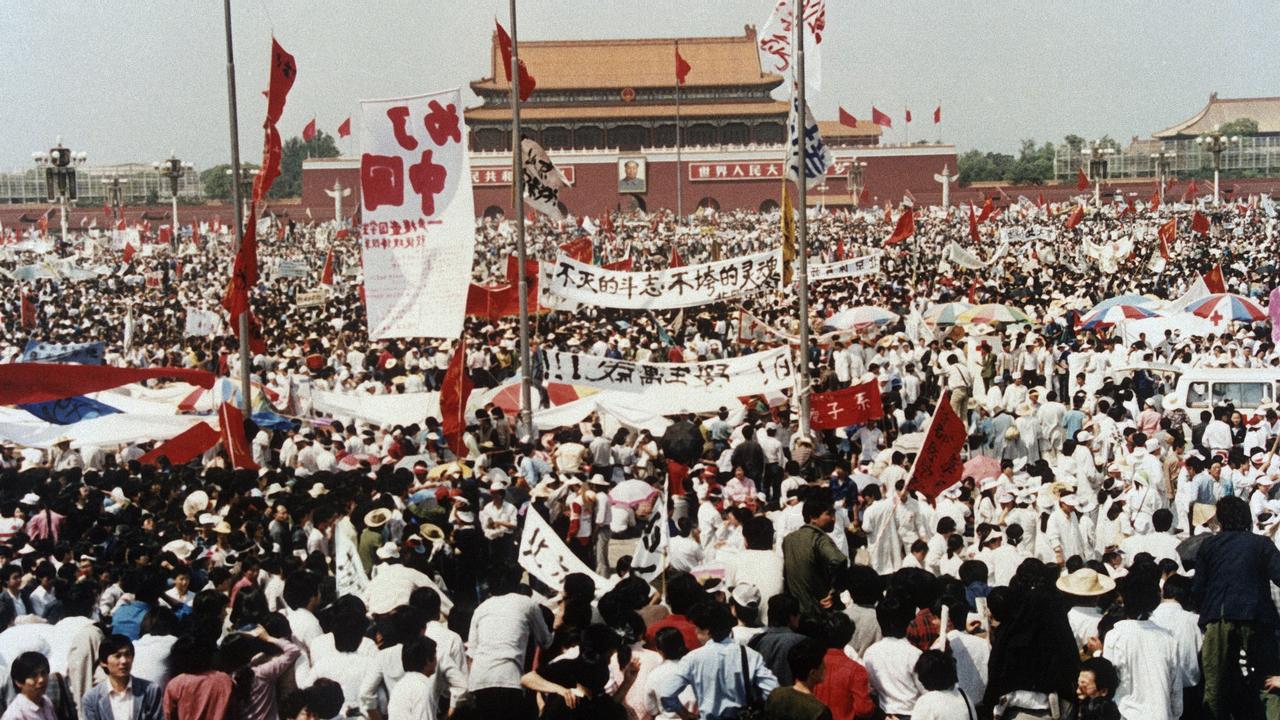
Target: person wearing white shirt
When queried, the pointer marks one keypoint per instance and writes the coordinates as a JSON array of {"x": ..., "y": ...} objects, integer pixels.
[
  {"x": 1144, "y": 654},
  {"x": 891, "y": 660},
  {"x": 501, "y": 629},
  {"x": 414, "y": 697},
  {"x": 1184, "y": 625},
  {"x": 1062, "y": 535},
  {"x": 1160, "y": 544},
  {"x": 943, "y": 698}
]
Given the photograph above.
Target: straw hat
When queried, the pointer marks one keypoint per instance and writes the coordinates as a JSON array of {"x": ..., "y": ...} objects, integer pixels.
[
  {"x": 377, "y": 517},
  {"x": 431, "y": 532},
  {"x": 196, "y": 503},
  {"x": 222, "y": 528},
  {"x": 1086, "y": 583}
]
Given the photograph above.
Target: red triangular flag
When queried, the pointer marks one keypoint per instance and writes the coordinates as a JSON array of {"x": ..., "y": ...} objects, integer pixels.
[
  {"x": 1168, "y": 233},
  {"x": 682, "y": 68},
  {"x": 880, "y": 118},
  {"x": 1039, "y": 200},
  {"x": 908, "y": 115},
  {"x": 309, "y": 132},
  {"x": 185, "y": 446},
  {"x": 988, "y": 207},
  {"x": 233, "y": 438},
  {"x": 937, "y": 115},
  {"x": 244, "y": 271},
  {"x": 283, "y": 72},
  {"x": 676, "y": 260},
  {"x": 938, "y": 466},
  {"x": 129, "y": 250},
  {"x": 973, "y": 226},
  {"x": 527, "y": 83},
  {"x": 1076, "y": 216},
  {"x": 1082, "y": 180},
  {"x": 1214, "y": 280},
  {"x": 905, "y": 228},
  {"x": 847, "y": 119},
  {"x": 345, "y": 128},
  {"x": 1199, "y": 223},
  {"x": 326, "y": 277},
  {"x": 454, "y": 391}
]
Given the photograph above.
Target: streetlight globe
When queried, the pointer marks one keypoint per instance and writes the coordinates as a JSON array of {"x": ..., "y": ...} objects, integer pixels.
[
  {"x": 1235, "y": 138},
  {"x": 155, "y": 166}
]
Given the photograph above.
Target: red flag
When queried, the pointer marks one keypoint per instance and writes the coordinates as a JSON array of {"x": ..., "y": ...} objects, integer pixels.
[
  {"x": 973, "y": 226},
  {"x": 839, "y": 248},
  {"x": 879, "y": 118},
  {"x": 1154, "y": 205},
  {"x": 244, "y": 271},
  {"x": 905, "y": 228},
  {"x": 184, "y": 447},
  {"x": 1129, "y": 207},
  {"x": 43, "y": 224},
  {"x": 682, "y": 67},
  {"x": 233, "y": 439},
  {"x": 623, "y": 265},
  {"x": 454, "y": 391},
  {"x": 40, "y": 382},
  {"x": 676, "y": 260},
  {"x": 1214, "y": 280},
  {"x": 527, "y": 83},
  {"x": 1168, "y": 233},
  {"x": 283, "y": 72},
  {"x": 326, "y": 277},
  {"x": 973, "y": 292},
  {"x": 1199, "y": 223},
  {"x": 272, "y": 152},
  {"x": 847, "y": 119},
  {"x": 129, "y": 251},
  {"x": 1082, "y": 180},
  {"x": 345, "y": 128},
  {"x": 908, "y": 115},
  {"x": 580, "y": 249},
  {"x": 165, "y": 236},
  {"x": 1076, "y": 216},
  {"x": 865, "y": 196},
  {"x": 988, "y": 207},
  {"x": 28, "y": 311},
  {"x": 853, "y": 405},
  {"x": 937, "y": 115},
  {"x": 1039, "y": 200},
  {"x": 309, "y": 132},
  {"x": 938, "y": 466},
  {"x": 492, "y": 302}
]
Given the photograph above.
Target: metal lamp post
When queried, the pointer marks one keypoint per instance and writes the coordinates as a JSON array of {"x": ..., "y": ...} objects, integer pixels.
[
  {"x": 115, "y": 194},
  {"x": 60, "y": 165},
  {"x": 1162, "y": 159},
  {"x": 1098, "y": 154},
  {"x": 1215, "y": 143},
  {"x": 173, "y": 169},
  {"x": 246, "y": 185},
  {"x": 857, "y": 172}
]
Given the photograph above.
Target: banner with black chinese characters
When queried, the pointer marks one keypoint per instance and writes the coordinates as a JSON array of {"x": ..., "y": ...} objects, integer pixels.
[
  {"x": 670, "y": 288},
  {"x": 853, "y": 267},
  {"x": 542, "y": 181},
  {"x": 649, "y": 558},
  {"x": 418, "y": 234},
  {"x": 771, "y": 370},
  {"x": 545, "y": 556}
]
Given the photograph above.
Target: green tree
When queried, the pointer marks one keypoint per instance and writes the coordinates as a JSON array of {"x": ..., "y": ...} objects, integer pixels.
[
  {"x": 217, "y": 180},
  {"x": 289, "y": 184},
  {"x": 1240, "y": 126},
  {"x": 1073, "y": 141},
  {"x": 1034, "y": 164}
]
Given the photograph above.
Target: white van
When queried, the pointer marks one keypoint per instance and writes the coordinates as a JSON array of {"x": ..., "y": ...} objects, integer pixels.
[{"x": 1206, "y": 388}]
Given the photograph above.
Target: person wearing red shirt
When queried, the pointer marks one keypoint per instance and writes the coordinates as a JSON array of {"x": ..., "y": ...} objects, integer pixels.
[{"x": 845, "y": 687}]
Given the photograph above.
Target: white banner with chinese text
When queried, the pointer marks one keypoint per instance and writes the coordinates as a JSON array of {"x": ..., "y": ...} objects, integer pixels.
[
  {"x": 669, "y": 288},
  {"x": 545, "y": 556},
  {"x": 853, "y": 267},
  {"x": 740, "y": 376},
  {"x": 418, "y": 215}
]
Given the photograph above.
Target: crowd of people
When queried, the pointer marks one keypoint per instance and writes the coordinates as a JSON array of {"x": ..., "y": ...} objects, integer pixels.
[{"x": 1110, "y": 552}]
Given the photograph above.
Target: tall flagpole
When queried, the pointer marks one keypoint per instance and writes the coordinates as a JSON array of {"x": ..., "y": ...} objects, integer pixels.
[
  {"x": 679, "y": 177},
  {"x": 517, "y": 190},
  {"x": 243, "y": 329},
  {"x": 802, "y": 245}
]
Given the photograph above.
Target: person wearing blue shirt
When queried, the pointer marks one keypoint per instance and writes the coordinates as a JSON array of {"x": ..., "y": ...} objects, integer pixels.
[
  {"x": 145, "y": 585},
  {"x": 714, "y": 670}
]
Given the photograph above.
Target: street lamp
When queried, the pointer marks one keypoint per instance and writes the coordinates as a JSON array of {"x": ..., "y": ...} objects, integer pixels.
[
  {"x": 246, "y": 185},
  {"x": 1162, "y": 159},
  {"x": 1098, "y": 154},
  {"x": 60, "y": 165},
  {"x": 115, "y": 193},
  {"x": 1216, "y": 143},
  {"x": 173, "y": 168},
  {"x": 857, "y": 171}
]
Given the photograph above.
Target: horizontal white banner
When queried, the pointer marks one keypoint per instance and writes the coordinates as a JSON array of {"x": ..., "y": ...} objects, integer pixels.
[
  {"x": 741, "y": 376},
  {"x": 670, "y": 288}
]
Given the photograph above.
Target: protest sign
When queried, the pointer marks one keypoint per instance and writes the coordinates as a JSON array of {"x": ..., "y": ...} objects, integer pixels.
[
  {"x": 545, "y": 556},
  {"x": 669, "y": 288},
  {"x": 853, "y": 267},
  {"x": 746, "y": 375}
]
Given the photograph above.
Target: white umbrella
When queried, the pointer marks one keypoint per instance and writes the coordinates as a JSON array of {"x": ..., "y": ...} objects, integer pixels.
[{"x": 860, "y": 317}]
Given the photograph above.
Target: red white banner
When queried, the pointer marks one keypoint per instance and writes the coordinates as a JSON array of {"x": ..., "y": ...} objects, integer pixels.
[
  {"x": 751, "y": 170},
  {"x": 418, "y": 211},
  {"x": 853, "y": 405},
  {"x": 499, "y": 176}
]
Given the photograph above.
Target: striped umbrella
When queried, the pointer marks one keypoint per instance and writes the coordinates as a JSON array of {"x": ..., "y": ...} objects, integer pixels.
[
  {"x": 992, "y": 313},
  {"x": 862, "y": 316},
  {"x": 1222, "y": 308},
  {"x": 1127, "y": 299},
  {"x": 1115, "y": 314},
  {"x": 945, "y": 313}
]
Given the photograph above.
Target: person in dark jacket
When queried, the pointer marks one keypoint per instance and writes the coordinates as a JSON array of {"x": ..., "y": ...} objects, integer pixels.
[
  {"x": 749, "y": 454},
  {"x": 1234, "y": 571},
  {"x": 1033, "y": 649},
  {"x": 811, "y": 562}
]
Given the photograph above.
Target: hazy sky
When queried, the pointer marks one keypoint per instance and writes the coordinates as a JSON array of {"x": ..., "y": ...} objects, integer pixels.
[{"x": 131, "y": 80}]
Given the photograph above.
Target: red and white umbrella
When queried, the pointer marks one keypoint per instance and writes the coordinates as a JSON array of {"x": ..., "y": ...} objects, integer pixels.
[{"x": 1223, "y": 308}]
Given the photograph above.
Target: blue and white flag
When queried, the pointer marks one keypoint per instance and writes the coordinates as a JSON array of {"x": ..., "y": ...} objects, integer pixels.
[
  {"x": 69, "y": 411},
  {"x": 79, "y": 353},
  {"x": 816, "y": 154}
]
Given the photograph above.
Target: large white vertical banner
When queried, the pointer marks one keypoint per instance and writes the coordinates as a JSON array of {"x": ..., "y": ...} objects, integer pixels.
[{"x": 418, "y": 215}]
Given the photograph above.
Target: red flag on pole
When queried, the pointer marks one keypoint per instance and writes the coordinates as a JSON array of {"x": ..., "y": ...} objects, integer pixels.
[
  {"x": 185, "y": 446},
  {"x": 1199, "y": 223},
  {"x": 879, "y": 118},
  {"x": 973, "y": 226},
  {"x": 1214, "y": 280},
  {"x": 1130, "y": 208},
  {"x": 1168, "y": 233},
  {"x": 166, "y": 236},
  {"x": 1082, "y": 180},
  {"x": 454, "y": 391},
  {"x": 988, "y": 207},
  {"x": 908, "y": 115},
  {"x": 682, "y": 67},
  {"x": 526, "y": 82},
  {"x": 283, "y": 72},
  {"x": 905, "y": 228},
  {"x": 848, "y": 119},
  {"x": 233, "y": 438},
  {"x": 1039, "y": 200},
  {"x": 326, "y": 277},
  {"x": 1154, "y": 205},
  {"x": 1076, "y": 216},
  {"x": 853, "y": 405},
  {"x": 129, "y": 250},
  {"x": 938, "y": 466},
  {"x": 244, "y": 271},
  {"x": 345, "y": 128},
  {"x": 309, "y": 132},
  {"x": 937, "y": 115},
  {"x": 676, "y": 260}
]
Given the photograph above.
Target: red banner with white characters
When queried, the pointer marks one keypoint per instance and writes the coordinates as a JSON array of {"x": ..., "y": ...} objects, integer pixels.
[
  {"x": 853, "y": 405},
  {"x": 751, "y": 170}
]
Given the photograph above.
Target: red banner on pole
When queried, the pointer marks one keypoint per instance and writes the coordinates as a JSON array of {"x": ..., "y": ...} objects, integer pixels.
[
  {"x": 939, "y": 464},
  {"x": 853, "y": 405}
]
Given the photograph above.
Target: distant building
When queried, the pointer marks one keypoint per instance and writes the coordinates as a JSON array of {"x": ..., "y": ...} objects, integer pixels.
[{"x": 1219, "y": 111}]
